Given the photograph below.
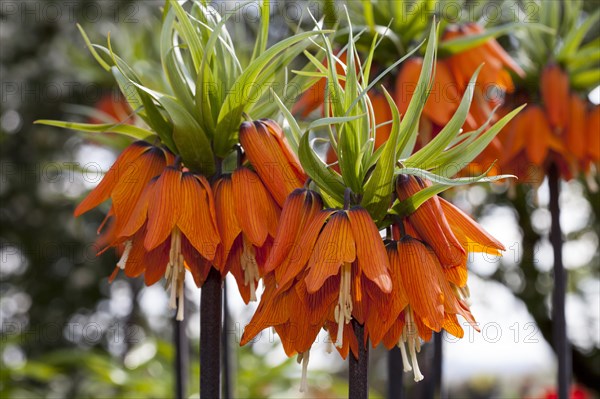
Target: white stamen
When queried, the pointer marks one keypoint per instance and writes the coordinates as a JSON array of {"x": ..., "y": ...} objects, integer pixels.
[
  {"x": 411, "y": 334},
  {"x": 304, "y": 356},
  {"x": 250, "y": 267},
  {"x": 413, "y": 357},
  {"x": 175, "y": 274},
  {"x": 405, "y": 361},
  {"x": 121, "y": 263},
  {"x": 343, "y": 309}
]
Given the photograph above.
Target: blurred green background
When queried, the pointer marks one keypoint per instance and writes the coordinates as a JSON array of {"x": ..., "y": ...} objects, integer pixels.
[{"x": 66, "y": 332}]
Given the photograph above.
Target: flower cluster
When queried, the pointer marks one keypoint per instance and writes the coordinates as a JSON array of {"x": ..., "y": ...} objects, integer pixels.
[
  {"x": 564, "y": 128},
  {"x": 165, "y": 219}
]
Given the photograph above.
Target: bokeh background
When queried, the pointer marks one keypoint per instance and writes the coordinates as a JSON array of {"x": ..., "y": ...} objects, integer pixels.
[{"x": 66, "y": 332}]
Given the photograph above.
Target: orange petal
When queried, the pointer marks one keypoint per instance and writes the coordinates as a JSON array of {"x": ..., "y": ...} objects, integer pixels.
[
  {"x": 370, "y": 252},
  {"x": 134, "y": 180},
  {"x": 406, "y": 82},
  {"x": 139, "y": 215},
  {"x": 227, "y": 223},
  {"x": 103, "y": 190},
  {"x": 444, "y": 97},
  {"x": 272, "y": 159},
  {"x": 539, "y": 134},
  {"x": 320, "y": 304},
  {"x": 452, "y": 326},
  {"x": 300, "y": 206},
  {"x": 554, "y": 87},
  {"x": 461, "y": 221},
  {"x": 431, "y": 224},
  {"x": 301, "y": 252},
  {"x": 334, "y": 247},
  {"x": 135, "y": 264},
  {"x": 197, "y": 264},
  {"x": 293, "y": 162},
  {"x": 156, "y": 262},
  {"x": 256, "y": 211},
  {"x": 383, "y": 113},
  {"x": 164, "y": 207},
  {"x": 420, "y": 276},
  {"x": 234, "y": 266},
  {"x": 272, "y": 310},
  {"x": 196, "y": 221},
  {"x": 575, "y": 139},
  {"x": 392, "y": 336}
]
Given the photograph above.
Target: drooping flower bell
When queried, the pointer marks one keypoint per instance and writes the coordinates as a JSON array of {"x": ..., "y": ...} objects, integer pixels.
[
  {"x": 497, "y": 61},
  {"x": 271, "y": 156},
  {"x": 431, "y": 224},
  {"x": 324, "y": 268},
  {"x": 125, "y": 181},
  {"x": 247, "y": 218},
  {"x": 173, "y": 227},
  {"x": 443, "y": 99},
  {"x": 554, "y": 90}
]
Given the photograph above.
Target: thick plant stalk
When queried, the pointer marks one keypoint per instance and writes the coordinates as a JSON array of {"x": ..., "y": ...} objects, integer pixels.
[
  {"x": 358, "y": 383},
  {"x": 210, "y": 336},
  {"x": 181, "y": 357},
  {"x": 559, "y": 323},
  {"x": 437, "y": 364},
  {"x": 226, "y": 347},
  {"x": 395, "y": 374}
]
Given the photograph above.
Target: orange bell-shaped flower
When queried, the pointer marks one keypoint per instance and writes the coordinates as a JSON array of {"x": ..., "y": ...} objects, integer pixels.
[
  {"x": 272, "y": 158},
  {"x": 554, "y": 88}
]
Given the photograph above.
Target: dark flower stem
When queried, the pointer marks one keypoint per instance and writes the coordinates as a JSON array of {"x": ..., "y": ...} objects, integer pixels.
[
  {"x": 210, "y": 336},
  {"x": 395, "y": 374},
  {"x": 358, "y": 383},
  {"x": 437, "y": 364},
  {"x": 226, "y": 347},
  {"x": 181, "y": 357},
  {"x": 559, "y": 325}
]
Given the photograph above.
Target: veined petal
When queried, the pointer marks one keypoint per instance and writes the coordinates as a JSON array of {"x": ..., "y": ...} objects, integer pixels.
[
  {"x": 554, "y": 88},
  {"x": 234, "y": 266},
  {"x": 134, "y": 180},
  {"x": 156, "y": 262},
  {"x": 139, "y": 215},
  {"x": 196, "y": 221},
  {"x": 431, "y": 224},
  {"x": 300, "y": 207},
  {"x": 164, "y": 208},
  {"x": 103, "y": 190},
  {"x": 255, "y": 209},
  {"x": 452, "y": 326},
  {"x": 320, "y": 304},
  {"x": 294, "y": 163},
  {"x": 197, "y": 264},
  {"x": 392, "y": 336},
  {"x": 370, "y": 252},
  {"x": 227, "y": 223},
  {"x": 349, "y": 343},
  {"x": 335, "y": 246},
  {"x": 301, "y": 252},
  {"x": 460, "y": 220},
  {"x": 272, "y": 310},
  {"x": 135, "y": 262},
  {"x": 419, "y": 277},
  {"x": 397, "y": 301},
  {"x": 270, "y": 157},
  {"x": 539, "y": 134}
]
